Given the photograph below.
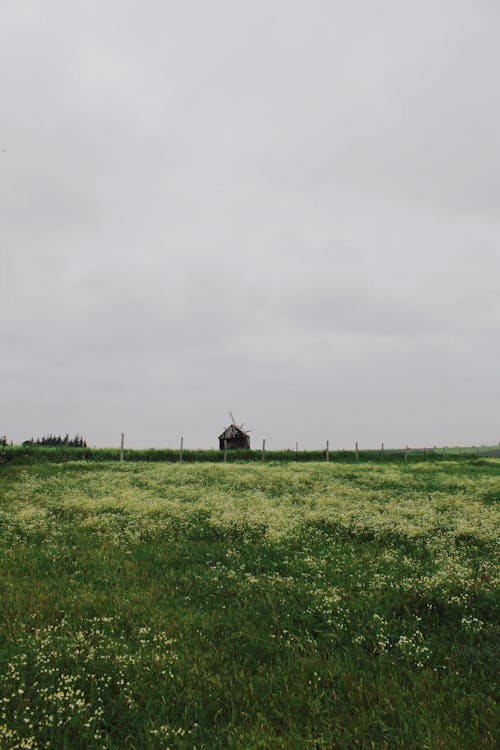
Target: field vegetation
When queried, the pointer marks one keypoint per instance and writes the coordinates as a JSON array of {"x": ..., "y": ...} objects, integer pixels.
[
  {"x": 33, "y": 453},
  {"x": 281, "y": 605}
]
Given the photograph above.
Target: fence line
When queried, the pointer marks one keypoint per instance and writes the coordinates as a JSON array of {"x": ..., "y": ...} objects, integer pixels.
[{"x": 27, "y": 454}]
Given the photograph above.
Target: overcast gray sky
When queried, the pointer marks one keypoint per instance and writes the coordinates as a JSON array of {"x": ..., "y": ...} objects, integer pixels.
[{"x": 289, "y": 209}]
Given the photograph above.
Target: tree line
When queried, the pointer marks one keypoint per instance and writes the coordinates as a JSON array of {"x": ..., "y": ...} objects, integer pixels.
[{"x": 57, "y": 440}]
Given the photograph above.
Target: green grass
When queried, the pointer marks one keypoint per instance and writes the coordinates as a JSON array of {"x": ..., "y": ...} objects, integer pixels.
[
  {"x": 20, "y": 454},
  {"x": 201, "y": 605}
]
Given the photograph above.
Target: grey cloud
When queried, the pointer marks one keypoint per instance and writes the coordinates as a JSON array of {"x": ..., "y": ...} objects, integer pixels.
[{"x": 282, "y": 208}]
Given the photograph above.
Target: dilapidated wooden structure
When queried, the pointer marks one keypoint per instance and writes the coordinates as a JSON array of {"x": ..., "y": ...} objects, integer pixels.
[{"x": 234, "y": 438}]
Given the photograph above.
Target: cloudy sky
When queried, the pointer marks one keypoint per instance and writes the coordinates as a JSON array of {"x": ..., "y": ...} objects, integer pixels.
[{"x": 286, "y": 208}]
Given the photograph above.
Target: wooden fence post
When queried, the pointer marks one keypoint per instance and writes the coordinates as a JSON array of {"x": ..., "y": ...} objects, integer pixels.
[
  {"x": 425, "y": 454},
  {"x": 406, "y": 453},
  {"x": 327, "y": 450},
  {"x": 357, "y": 453},
  {"x": 263, "y": 448},
  {"x": 382, "y": 452},
  {"x": 182, "y": 446},
  {"x": 297, "y": 449},
  {"x": 225, "y": 450},
  {"x": 122, "y": 445}
]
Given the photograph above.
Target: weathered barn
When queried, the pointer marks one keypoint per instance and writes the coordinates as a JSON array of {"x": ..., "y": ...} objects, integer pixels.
[{"x": 234, "y": 437}]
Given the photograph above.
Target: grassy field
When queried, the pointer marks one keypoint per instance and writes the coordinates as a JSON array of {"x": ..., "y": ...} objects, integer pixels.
[
  {"x": 310, "y": 606},
  {"x": 20, "y": 454}
]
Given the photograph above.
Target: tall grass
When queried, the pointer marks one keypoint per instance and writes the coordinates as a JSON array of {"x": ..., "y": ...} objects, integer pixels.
[
  {"x": 294, "y": 606},
  {"x": 20, "y": 454}
]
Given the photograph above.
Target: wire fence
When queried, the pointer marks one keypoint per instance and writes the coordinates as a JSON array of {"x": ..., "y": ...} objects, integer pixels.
[{"x": 33, "y": 454}]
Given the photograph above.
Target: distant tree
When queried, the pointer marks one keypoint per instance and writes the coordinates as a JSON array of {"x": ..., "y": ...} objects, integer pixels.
[{"x": 57, "y": 441}]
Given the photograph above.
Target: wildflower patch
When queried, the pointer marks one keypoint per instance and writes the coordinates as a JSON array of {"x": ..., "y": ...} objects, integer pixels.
[{"x": 249, "y": 606}]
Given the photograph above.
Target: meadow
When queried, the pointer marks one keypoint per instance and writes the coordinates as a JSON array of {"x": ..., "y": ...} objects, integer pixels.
[
  {"x": 21, "y": 454},
  {"x": 308, "y": 606}
]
